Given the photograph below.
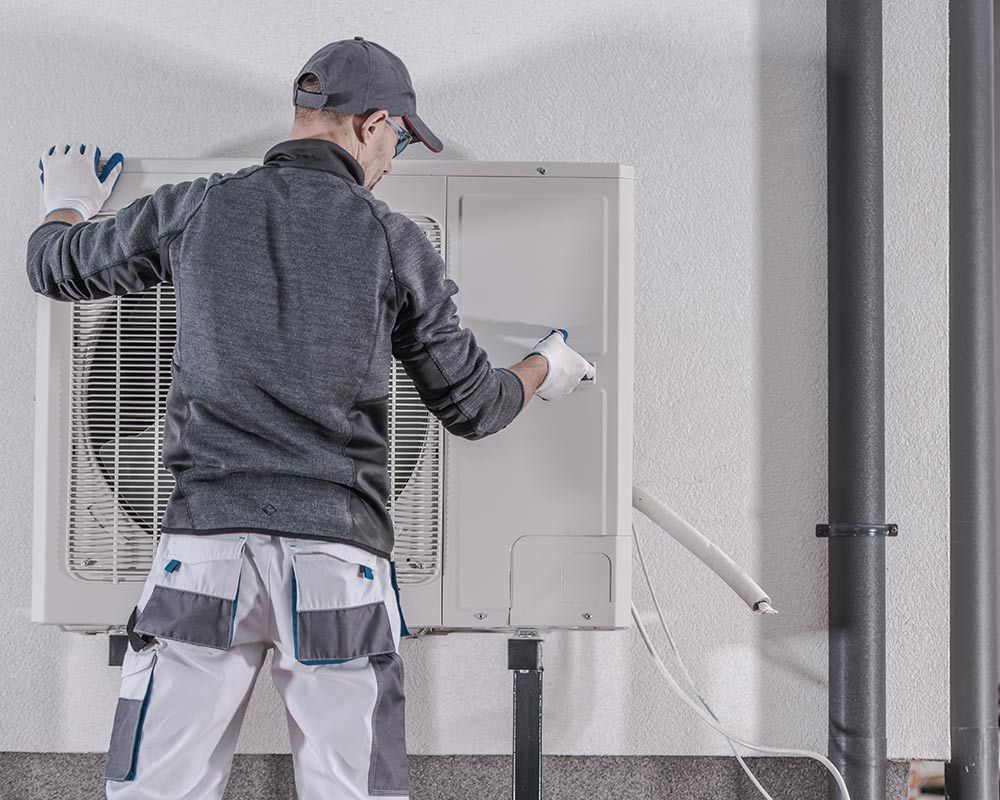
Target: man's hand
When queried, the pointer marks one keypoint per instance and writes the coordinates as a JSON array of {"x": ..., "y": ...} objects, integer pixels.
[
  {"x": 71, "y": 182},
  {"x": 565, "y": 367}
]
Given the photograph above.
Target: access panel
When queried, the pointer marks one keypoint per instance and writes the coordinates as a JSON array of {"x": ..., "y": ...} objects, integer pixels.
[{"x": 530, "y": 254}]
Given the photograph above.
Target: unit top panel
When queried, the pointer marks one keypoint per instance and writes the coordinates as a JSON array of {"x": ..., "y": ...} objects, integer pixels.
[{"x": 439, "y": 166}]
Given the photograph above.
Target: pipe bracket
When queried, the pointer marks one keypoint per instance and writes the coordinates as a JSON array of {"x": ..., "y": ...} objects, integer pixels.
[{"x": 857, "y": 529}]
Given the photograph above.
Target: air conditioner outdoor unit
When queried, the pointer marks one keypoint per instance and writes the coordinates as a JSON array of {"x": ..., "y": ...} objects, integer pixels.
[{"x": 526, "y": 528}]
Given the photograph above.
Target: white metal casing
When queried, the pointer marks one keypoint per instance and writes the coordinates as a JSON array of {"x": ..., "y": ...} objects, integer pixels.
[{"x": 536, "y": 519}]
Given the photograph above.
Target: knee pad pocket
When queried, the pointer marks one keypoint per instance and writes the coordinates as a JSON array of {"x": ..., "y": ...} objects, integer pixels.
[
  {"x": 130, "y": 713},
  {"x": 388, "y": 771}
]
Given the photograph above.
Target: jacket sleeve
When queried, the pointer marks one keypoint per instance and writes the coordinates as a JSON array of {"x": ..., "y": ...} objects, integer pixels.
[
  {"x": 452, "y": 374},
  {"x": 114, "y": 256}
]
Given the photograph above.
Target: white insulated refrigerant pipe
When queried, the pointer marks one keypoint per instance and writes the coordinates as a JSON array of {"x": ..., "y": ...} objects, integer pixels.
[{"x": 699, "y": 546}]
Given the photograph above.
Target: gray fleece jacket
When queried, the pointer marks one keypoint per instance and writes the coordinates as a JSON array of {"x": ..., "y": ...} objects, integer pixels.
[{"x": 295, "y": 286}]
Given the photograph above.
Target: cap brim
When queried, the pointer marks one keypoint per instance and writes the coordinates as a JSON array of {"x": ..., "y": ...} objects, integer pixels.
[{"x": 424, "y": 134}]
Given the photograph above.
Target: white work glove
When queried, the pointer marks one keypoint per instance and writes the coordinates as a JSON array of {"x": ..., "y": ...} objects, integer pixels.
[
  {"x": 566, "y": 366},
  {"x": 70, "y": 178}
]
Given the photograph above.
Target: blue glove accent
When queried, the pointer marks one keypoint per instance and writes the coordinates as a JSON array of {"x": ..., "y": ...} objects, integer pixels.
[
  {"x": 564, "y": 332},
  {"x": 172, "y": 566},
  {"x": 114, "y": 161},
  {"x": 42, "y": 168}
]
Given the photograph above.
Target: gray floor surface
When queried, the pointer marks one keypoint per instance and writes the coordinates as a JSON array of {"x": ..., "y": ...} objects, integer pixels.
[{"x": 79, "y": 776}]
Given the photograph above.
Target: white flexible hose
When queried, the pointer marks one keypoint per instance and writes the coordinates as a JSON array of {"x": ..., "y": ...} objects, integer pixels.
[
  {"x": 743, "y": 585},
  {"x": 684, "y": 669},
  {"x": 778, "y": 750},
  {"x": 716, "y": 560}
]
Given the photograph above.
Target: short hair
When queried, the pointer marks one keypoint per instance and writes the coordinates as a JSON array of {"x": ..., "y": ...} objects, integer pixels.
[{"x": 335, "y": 119}]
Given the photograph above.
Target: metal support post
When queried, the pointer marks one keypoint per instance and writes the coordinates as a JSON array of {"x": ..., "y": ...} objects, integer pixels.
[{"x": 524, "y": 657}]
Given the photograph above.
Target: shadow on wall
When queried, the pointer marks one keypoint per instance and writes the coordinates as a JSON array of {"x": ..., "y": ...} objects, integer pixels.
[{"x": 792, "y": 366}]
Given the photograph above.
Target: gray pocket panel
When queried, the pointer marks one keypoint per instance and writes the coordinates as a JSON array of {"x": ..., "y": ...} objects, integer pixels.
[
  {"x": 187, "y": 617},
  {"x": 124, "y": 737},
  {"x": 388, "y": 772},
  {"x": 343, "y": 633},
  {"x": 136, "y": 687}
]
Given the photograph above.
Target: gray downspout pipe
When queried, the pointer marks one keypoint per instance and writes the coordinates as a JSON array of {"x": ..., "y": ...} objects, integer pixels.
[
  {"x": 856, "y": 426},
  {"x": 972, "y": 772}
]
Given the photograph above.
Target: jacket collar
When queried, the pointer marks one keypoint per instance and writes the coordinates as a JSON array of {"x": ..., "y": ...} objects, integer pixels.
[{"x": 316, "y": 154}]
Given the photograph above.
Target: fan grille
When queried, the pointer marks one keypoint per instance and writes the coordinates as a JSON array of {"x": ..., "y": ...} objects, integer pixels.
[{"x": 118, "y": 487}]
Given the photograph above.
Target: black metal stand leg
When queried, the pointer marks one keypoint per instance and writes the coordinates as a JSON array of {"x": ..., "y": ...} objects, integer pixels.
[{"x": 524, "y": 656}]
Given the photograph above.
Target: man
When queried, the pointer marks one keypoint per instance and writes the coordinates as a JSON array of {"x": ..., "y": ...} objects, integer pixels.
[{"x": 295, "y": 287}]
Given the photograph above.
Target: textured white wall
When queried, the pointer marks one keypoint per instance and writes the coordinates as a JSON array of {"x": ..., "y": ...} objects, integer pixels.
[{"x": 720, "y": 106}]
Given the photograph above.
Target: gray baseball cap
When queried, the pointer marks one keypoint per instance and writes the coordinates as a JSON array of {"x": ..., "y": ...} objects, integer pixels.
[{"x": 357, "y": 76}]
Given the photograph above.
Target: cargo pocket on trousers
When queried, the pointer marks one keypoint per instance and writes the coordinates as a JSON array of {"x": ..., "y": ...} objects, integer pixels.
[
  {"x": 130, "y": 713},
  {"x": 195, "y": 589},
  {"x": 339, "y": 608},
  {"x": 388, "y": 770}
]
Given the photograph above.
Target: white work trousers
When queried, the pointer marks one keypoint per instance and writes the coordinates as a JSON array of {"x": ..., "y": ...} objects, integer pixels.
[{"x": 215, "y": 603}]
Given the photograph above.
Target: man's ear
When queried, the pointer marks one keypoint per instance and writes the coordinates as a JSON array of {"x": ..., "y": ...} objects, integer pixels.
[{"x": 370, "y": 126}]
